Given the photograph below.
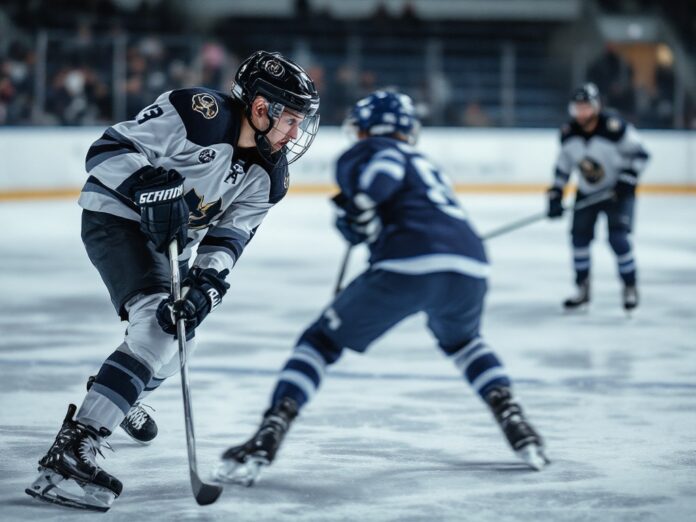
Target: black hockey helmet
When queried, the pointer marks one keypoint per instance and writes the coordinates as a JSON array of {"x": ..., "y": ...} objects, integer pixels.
[
  {"x": 285, "y": 85},
  {"x": 586, "y": 93}
]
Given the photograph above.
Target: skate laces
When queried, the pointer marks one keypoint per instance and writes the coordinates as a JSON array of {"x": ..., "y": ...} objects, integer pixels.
[
  {"x": 90, "y": 446},
  {"x": 137, "y": 416}
]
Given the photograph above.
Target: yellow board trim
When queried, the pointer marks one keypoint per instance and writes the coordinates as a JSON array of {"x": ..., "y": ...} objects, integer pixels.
[{"x": 327, "y": 189}]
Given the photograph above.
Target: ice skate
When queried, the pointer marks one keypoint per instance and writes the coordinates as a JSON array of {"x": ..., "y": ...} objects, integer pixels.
[
  {"x": 138, "y": 423},
  {"x": 630, "y": 299},
  {"x": 523, "y": 439},
  {"x": 68, "y": 473},
  {"x": 580, "y": 301},
  {"x": 242, "y": 464}
]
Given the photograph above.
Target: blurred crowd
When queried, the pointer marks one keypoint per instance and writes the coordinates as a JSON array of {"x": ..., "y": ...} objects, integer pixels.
[{"x": 87, "y": 70}]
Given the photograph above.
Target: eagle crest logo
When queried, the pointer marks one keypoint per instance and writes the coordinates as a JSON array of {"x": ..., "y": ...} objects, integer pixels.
[{"x": 200, "y": 212}]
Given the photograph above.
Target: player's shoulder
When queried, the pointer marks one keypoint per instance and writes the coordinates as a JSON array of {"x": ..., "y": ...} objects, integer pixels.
[
  {"x": 366, "y": 149},
  {"x": 569, "y": 130},
  {"x": 209, "y": 116},
  {"x": 611, "y": 125}
]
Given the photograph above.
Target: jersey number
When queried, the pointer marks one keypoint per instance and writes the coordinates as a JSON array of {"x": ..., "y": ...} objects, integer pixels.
[
  {"x": 153, "y": 111},
  {"x": 439, "y": 188}
]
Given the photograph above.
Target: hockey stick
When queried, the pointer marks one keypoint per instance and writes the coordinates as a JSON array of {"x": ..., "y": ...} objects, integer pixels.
[
  {"x": 203, "y": 493},
  {"x": 587, "y": 202},
  {"x": 342, "y": 270}
]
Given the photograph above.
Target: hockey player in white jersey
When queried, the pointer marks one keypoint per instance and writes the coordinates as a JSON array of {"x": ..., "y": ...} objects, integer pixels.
[
  {"x": 197, "y": 165},
  {"x": 609, "y": 156}
]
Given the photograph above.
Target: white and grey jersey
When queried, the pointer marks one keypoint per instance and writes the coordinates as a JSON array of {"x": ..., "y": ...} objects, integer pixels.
[
  {"x": 228, "y": 189},
  {"x": 612, "y": 152}
]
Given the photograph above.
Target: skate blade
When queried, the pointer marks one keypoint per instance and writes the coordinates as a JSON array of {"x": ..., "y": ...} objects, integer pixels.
[
  {"x": 533, "y": 455},
  {"x": 240, "y": 473},
  {"x": 54, "y": 488},
  {"x": 582, "y": 309}
]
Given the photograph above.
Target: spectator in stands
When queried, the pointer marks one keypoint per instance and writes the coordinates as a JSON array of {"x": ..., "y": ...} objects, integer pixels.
[{"x": 614, "y": 78}]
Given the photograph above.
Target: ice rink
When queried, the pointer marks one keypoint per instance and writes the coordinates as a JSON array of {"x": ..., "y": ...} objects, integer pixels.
[{"x": 395, "y": 435}]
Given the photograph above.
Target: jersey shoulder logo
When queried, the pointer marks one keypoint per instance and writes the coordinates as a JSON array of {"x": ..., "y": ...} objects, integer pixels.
[
  {"x": 205, "y": 104},
  {"x": 614, "y": 124},
  {"x": 206, "y": 155}
]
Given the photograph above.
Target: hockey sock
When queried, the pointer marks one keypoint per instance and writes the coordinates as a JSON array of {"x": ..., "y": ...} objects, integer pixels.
[
  {"x": 301, "y": 376},
  {"x": 581, "y": 263},
  {"x": 624, "y": 257},
  {"x": 480, "y": 366},
  {"x": 118, "y": 385}
]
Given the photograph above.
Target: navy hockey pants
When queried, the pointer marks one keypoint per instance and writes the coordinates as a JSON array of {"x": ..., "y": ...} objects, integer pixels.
[
  {"x": 375, "y": 302},
  {"x": 619, "y": 223}
]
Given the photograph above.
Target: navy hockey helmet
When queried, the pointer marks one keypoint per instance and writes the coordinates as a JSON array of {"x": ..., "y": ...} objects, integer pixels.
[
  {"x": 385, "y": 113},
  {"x": 586, "y": 93},
  {"x": 285, "y": 85}
]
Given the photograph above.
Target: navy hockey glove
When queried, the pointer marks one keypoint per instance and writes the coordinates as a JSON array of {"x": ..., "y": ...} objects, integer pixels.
[
  {"x": 202, "y": 290},
  {"x": 355, "y": 225},
  {"x": 626, "y": 186},
  {"x": 164, "y": 214},
  {"x": 555, "y": 202}
]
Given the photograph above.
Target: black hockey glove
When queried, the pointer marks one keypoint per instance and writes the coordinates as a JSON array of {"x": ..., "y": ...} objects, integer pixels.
[
  {"x": 164, "y": 214},
  {"x": 626, "y": 186},
  {"x": 555, "y": 202},
  {"x": 202, "y": 290},
  {"x": 355, "y": 225}
]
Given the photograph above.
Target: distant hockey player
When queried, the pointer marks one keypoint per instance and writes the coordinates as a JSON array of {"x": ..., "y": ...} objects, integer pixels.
[
  {"x": 200, "y": 166},
  {"x": 609, "y": 156},
  {"x": 425, "y": 257}
]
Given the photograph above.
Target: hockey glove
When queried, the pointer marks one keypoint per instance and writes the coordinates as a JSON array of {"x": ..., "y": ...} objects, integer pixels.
[
  {"x": 164, "y": 214},
  {"x": 626, "y": 186},
  {"x": 356, "y": 225},
  {"x": 555, "y": 202},
  {"x": 202, "y": 290}
]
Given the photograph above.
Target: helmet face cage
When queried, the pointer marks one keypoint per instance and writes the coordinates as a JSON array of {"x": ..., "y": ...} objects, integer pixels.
[
  {"x": 285, "y": 86},
  {"x": 587, "y": 93},
  {"x": 385, "y": 113}
]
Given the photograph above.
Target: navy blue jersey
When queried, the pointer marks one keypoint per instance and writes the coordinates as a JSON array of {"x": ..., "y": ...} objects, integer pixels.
[{"x": 424, "y": 229}]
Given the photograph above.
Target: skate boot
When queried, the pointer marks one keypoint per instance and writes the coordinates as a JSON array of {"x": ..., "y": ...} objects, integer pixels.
[
  {"x": 524, "y": 440},
  {"x": 242, "y": 464},
  {"x": 581, "y": 300},
  {"x": 69, "y": 474},
  {"x": 630, "y": 298},
  {"x": 138, "y": 423}
]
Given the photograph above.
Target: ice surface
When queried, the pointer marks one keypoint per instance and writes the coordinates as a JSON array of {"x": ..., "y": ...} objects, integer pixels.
[{"x": 395, "y": 434}]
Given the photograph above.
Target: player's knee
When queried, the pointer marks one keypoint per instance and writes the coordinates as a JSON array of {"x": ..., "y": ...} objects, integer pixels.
[
  {"x": 618, "y": 239},
  {"x": 328, "y": 348},
  {"x": 581, "y": 240},
  {"x": 144, "y": 336}
]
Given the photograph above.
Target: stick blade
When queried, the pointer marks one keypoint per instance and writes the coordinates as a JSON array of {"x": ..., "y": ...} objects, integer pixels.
[{"x": 204, "y": 493}]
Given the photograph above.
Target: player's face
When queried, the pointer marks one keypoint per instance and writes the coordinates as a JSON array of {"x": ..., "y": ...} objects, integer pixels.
[
  {"x": 584, "y": 113},
  {"x": 286, "y": 129}
]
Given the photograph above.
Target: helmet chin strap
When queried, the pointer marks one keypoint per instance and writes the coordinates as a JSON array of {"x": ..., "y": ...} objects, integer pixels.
[{"x": 262, "y": 144}]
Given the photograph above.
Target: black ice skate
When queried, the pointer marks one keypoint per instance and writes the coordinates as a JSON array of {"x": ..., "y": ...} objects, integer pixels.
[
  {"x": 138, "y": 423},
  {"x": 630, "y": 298},
  {"x": 242, "y": 464},
  {"x": 581, "y": 300},
  {"x": 69, "y": 474},
  {"x": 524, "y": 440}
]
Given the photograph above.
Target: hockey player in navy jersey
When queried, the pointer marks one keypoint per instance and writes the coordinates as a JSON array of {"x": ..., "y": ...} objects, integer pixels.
[
  {"x": 425, "y": 257},
  {"x": 609, "y": 156},
  {"x": 200, "y": 166}
]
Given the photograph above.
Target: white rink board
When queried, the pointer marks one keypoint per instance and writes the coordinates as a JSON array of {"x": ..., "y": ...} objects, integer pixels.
[
  {"x": 394, "y": 435},
  {"x": 49, "y": 158}
]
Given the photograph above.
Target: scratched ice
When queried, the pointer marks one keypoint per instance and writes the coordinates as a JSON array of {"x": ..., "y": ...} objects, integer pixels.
[{"x": 393, "y": 435}]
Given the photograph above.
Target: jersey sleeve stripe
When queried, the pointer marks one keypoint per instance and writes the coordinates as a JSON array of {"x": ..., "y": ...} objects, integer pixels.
[
  {"x": 111, "y": 144},
  {"x": 377, "y": 167}
]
